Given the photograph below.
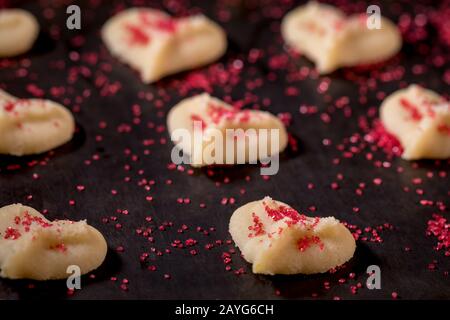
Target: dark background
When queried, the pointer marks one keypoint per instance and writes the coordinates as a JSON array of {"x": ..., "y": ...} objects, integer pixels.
[{"x": 118, "y": 147}]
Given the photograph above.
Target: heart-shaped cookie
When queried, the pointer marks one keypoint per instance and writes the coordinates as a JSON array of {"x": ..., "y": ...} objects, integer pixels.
[
  {"x": 157, "y": 45},
  {"x": 18, "y": 31},
  {"x": 420, "y": 120},
  {"x": 214, "y": 132},
  {"x": 277, "y": 239},
  {"x": 29, "y": 126},
  {"x": 32, "y": 247},
  {"x": 326, "y": 36}
]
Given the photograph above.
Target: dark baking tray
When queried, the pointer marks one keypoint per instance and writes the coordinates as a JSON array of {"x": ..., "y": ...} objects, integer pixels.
[{"x": 410, "y": 265}]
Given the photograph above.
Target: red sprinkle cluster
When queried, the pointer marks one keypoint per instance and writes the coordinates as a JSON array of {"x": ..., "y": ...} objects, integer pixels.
[
  {"x": 27, "y": 220},
  {"x": 282, "y": 212},
  {"x": 384, "y": 140},
  {"x": 440, "y": 228},
  {"x": 411, "y": 108},
  {"x": 257, "y": 228},
  {"x": 218, "y": 113},
  {"x": 11, "y": 234},
  {"x": 307, "y": 242},
  {"x": 294, "y": 217},
  {"x": 165, "y": 24},
  {"x": 138, "y": 33}
]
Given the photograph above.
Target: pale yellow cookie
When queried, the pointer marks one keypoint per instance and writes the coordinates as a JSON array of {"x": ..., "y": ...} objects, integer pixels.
[
  {"x": 33, "y": 247},
  {"x": 277, "y": 239},
  {"x": 30, "y": 126},
  {"x": 326, "y": 36},
  {"x": 18, "y": 32},
  {"x": 157, "y": 45},
  {"x": 249, "y": 132},
  {"x": 420, "y": 119}
]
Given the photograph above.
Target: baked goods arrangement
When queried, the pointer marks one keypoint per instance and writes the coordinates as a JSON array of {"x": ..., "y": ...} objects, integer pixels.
[{"x": 190, "y": 114}]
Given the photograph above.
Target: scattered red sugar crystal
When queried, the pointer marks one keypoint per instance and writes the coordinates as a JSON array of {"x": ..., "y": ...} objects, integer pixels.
[
  {"x": 412, "y": 109},
  {"x": 61, "y": 247},
  {"x": 440, "y": 18},
  {"x": 11, "y": 234},
  {"x": 377, "y": 181},
  {"x": 440, "y": 228},
  {"x": 34, "y": 90},
  {"x": 9, "y": 106},
  {"x": 195, "y": 117},
  {"x": 284, "y": 212},
  {"x": 257, "y": 227},
  {"x": 165, "y": 24},
  {"x": 383, "y": 139},
  {"x": 137, "y": 35},
  {"x": 304, "y": 243}
]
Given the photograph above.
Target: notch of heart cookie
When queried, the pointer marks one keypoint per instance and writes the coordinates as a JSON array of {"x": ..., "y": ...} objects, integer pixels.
[
  {"x": 208, "y": 122},
  {"x": 33, "y": 247},
  {"x": 30, "y": 126},
  {"x": 157, "y": 45},
  {"x": 420, "y": 120},
  {"x": 277, "y": 239},
  {"x": 326, "y": 36}
]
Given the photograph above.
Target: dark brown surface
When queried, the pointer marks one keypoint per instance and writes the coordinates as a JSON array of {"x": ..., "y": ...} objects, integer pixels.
[{"x": 203, "y": 276}]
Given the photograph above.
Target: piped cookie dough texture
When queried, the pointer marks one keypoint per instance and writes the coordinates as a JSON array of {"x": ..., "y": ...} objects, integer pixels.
[
  {"x": 32, "y": 247},
  {"x": 30, "y": 126},
  {"x": 18, "y": 31},
  {"x": 158, "y": 45},
  {"x": 277, "y": 239},
  {"x": 420, "y": 120},
  {"x": 214, "y": 116},
  {"x": 332, "y": 40}
]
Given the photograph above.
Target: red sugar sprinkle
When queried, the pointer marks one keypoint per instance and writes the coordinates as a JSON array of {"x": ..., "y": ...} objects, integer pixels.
[
  {"x": 217, "y": 113},
  {"x": 383, "y": 139},
  {"x": 137, "y": 36},
  {"x": 377, "y": 181},
  {"x": 257, "y": 228},
  {"x": 195, "y": 117},
  {"x": 9, "y": 106},
  {"x": 165, "y": 24},
  {"x": 12, "y": 234},
  {"x": 412, "y": 109},
  {"x": 35, "y": 90},
  {"x": 444, "y": 129},
  {"x": 439, "y": 227},
  {"x": 60, "y": 247},
  {"x": 284, "y": 212},
  {"x": 307, "y": 242}
]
